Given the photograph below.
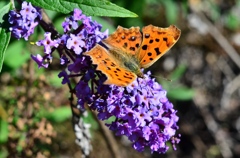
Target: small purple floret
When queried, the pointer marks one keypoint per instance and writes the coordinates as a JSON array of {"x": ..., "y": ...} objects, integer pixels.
[
  {"x": 47, "y": 43},
  {"x": 24, "y": 22}
]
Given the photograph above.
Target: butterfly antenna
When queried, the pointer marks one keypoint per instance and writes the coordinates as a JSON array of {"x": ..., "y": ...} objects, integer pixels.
[{"x": 160, "y": 77}]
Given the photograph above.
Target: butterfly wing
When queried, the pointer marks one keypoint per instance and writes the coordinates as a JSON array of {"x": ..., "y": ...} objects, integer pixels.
[
  {"x": 110, "y": 67},
  {"x": 127, "y": 40},
  {"x": 156, "y": 42}
]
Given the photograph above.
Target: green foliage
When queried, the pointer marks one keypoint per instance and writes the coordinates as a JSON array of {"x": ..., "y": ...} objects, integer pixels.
[
  {"x": 3, "y": 153},
  {"x": 4, "y": 34},
  {"x": 16, "y": 54},
  {"x": 178, "y": 72},
  {"x": 3, "y": 130},
  {"x": 232, "y": 21},
  {"x": 89, "y": 7},
  {"x": 54, "y": 80},
  {"x": 110, "y": 119},
  {"x": 229, "y": 17},
  {"x": 175, "y": 90},
  {"x": 59, "y": 114},
  {"x": 21, "y": 139},
  {"x": 90, "y": 119},
  {"x": 181, "y": 93},
  {"x": 214, "y": 12},
  {"x": 170, "y": 9}
]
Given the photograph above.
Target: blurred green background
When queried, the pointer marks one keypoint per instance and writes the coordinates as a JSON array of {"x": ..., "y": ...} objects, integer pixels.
[{"x": 203, "y": 67}]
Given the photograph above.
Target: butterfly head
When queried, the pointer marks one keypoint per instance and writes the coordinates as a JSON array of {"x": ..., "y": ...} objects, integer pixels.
[{"x": 140, "y": 74}]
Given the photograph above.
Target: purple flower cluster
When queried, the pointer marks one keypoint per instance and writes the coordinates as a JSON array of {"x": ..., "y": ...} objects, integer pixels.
[
  {"x": 24, "y": 21},
  {"x": 142, "y": 112},
  {"x": 80, "y": 35}
]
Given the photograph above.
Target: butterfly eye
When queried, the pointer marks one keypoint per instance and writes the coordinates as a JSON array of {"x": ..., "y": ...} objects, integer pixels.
[{"x": 123, "y": 37}]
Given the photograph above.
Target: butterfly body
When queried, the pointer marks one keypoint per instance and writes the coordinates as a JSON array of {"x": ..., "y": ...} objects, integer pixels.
[
  {"x": 127, "y": 61},
  {"x": 129, "y": 50}
]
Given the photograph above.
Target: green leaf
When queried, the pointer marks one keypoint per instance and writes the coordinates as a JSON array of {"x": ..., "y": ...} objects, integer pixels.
[
  {"x": 89, "y": 7},
  {"x": 55, "y": 80},
  {"x": 181, "y": 93},
  {"x": 232, "y": 21},
  {"x": 20, "y": 142},
  {"x": 171, "y": 10},
  {"x": 16, "y": 54},
  {"x": 3, "y": 153},
  {"x": 110, "y": 119},
  {"x": 178, "y": 72},
  {"x": 58, "y": 115},
  {"x": 3, "y": 131},
  {"x": 4, "y": 33}
]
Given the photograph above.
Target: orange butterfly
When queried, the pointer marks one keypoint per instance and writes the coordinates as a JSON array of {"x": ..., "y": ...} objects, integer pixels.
[{"x": 130, "y": 50}]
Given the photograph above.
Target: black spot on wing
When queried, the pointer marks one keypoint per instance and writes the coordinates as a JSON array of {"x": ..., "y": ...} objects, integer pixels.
[
  {"x": 165, "y": 39},
  {"x": 118, "y": 69},
  {"x": 104, "y": 61},
  {"x": 157, "y": 51},
  {"x": 125, "y": 45},
  {"x": 144, "y": 47},
  {"x": 113, "y": 65},
  {"x": 147, "y": 35},
  {"x": 132, "y": 38},
  {"x": 127, "y": 77},
  {"x": 132, "y": 48}
]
